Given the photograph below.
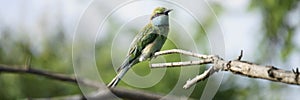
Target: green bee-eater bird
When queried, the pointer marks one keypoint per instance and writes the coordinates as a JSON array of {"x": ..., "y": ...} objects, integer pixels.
[{"x": 146, "y": 43}]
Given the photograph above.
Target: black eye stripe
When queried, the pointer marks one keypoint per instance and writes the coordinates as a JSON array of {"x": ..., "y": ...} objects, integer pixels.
[{"x": 157, "y": 14}]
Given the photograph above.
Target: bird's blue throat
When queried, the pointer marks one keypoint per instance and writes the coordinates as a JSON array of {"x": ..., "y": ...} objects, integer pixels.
[{"x": 160, "y": 20}]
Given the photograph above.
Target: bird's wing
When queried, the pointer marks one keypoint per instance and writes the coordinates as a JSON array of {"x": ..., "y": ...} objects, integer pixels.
[
  {"x": 148, "y": 35},
  {"x": 145, "y": 37}
]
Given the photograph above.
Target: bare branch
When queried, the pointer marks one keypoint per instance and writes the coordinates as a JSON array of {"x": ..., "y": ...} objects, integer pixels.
[
  {"x": 51, "y": 75},
  {"x": 136, "y": 95},
  {"x": 264, "y": 72},
  {"x": 239, "y": 67},
  {"x": 243, "y": 68},
  {"x": 104, "y": 93}
]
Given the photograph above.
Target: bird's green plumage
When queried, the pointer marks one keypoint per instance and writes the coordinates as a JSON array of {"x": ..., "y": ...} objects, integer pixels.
[
  {"x": 148, "y": 41},
  {"x": 143, "y": 38}
]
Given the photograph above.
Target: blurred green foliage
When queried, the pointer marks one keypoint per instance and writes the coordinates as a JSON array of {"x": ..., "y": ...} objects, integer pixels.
[
  {"x": 278, "y": 29},
  {"x": 56, "y": 57}
]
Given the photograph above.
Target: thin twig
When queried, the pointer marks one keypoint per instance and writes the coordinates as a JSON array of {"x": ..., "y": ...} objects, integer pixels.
[
  {"x": 198, "y": 78},
  {"x": 188, "y": 53},
  {"x": 240, "y": 56},
  {"x": 181, "y": 64}
]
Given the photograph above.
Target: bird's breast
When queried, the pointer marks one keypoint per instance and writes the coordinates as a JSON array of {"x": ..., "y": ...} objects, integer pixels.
[{"x": 164, "y": 30}]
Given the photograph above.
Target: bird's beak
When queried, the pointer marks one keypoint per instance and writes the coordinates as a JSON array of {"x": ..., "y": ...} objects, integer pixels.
[{"x": 167, "y": 11}]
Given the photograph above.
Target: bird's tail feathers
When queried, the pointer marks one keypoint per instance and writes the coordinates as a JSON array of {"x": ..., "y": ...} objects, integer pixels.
[
  {"x": 117, "y": 79},
  {"x": 126, "y": 65}
]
